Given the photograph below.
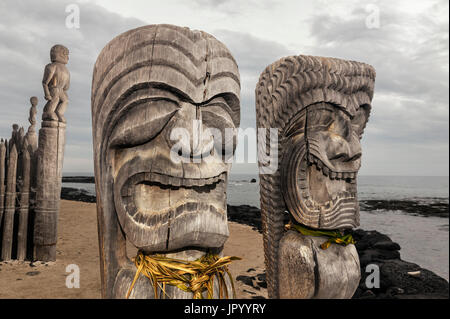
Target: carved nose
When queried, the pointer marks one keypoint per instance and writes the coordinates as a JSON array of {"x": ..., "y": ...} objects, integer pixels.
[
  {"x": 188, "y": 122},
  {"x": 344, "y": 150},
  {"x": 354, "y": 152}
]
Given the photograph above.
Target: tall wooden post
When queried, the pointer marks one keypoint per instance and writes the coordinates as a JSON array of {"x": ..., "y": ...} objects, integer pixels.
[
  {"x": 24, "y": 204},
  {"x": 8, "y": 225},
  {"x": 2, "y": 178},
  {"x": 32, "y": 141},
  {"x": 50, "y": 155}
]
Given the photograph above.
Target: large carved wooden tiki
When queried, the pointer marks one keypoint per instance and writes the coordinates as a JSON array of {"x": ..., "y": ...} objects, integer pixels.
[
  {"x": 320, "y": 107},
  {"x": 147, "y": 83}
]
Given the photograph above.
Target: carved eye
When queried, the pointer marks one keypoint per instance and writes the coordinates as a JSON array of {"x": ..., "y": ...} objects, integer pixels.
[
  {"x": 340, "y": 127},
  {"x": 142, "y": 122},
  {"x": 360, "y": 119},
  {"x": 216, "y": 115}
]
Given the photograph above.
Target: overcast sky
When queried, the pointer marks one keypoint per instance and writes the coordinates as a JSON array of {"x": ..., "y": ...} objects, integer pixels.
[{"x": 406, "y": 42}]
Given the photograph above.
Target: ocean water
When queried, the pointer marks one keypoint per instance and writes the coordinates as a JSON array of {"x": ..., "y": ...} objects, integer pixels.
[{"x": 424, "y": 240}]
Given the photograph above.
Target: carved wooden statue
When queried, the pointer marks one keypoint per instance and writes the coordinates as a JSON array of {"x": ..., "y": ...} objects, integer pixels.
[
  {"x": 10, "y": 201},
  {"x": 31, "y": 135},
  {"x": 56, "y": 82},
  {"x": 17, "y": 185},
  {"x": 31, "y": 172},
  {"x": 50, "y": 154},
  {"x": 147, "y": 83},
  {"x": 320, "y": 107}
]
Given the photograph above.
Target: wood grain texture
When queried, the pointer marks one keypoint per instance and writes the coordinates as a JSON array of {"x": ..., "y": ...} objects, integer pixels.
[
  {"x": 49, "y": 176},
  {"x": 297, "y": 95},
  {"x": 24, "y": 176},
  {"x": 50, "y": 153},
  {"x": 56, "y": 82},
  {"x": 22, "y": 235},
  {"x": 309, "y": 272},
  {"x": 31, "y": 135},
  {"x": 147, "y": 83},
  {"x": 2, "y": 179},
  {"x": 10, "y": 199}
]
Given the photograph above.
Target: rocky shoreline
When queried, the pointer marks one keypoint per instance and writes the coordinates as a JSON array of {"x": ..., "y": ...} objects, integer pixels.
[
  {"x": 435, "y": 208},
  {"x": 78, "y": 195},
  {"x": 79, "y": 179},
  {"x": 399, "y": 279}
]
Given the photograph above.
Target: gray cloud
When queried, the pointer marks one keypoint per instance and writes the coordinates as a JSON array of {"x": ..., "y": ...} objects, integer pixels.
[
  {"x": 233, "y": 7},
  {"x": 28, "y": 29},
  {"x": 410, "y": 53},
  {"x": 409, "y": 122},
  {"x": 253, "y": 55}
]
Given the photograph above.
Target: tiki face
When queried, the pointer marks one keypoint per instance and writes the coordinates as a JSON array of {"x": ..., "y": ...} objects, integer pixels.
[
  {"x": 165, "y": 205},
  {"x": 164, "y": 80},
  {"x": 326, "y": 140}
]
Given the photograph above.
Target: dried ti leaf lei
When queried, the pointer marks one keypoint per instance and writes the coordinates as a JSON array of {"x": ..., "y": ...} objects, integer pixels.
[
  {"x": 190, "y": 276},
  {"x": 334, "y": 236}
]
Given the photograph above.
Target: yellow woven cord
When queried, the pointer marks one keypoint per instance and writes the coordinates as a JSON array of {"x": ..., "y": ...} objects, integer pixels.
[
  {"x": 190, "y": 276},
  {"x": 334, "y": 236}
]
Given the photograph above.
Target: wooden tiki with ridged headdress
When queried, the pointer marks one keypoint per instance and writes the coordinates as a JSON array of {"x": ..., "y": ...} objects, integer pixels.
[{"x": 320, "y": 107}]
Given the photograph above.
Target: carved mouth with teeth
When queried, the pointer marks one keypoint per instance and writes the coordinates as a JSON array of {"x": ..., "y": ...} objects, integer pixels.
[
  {"x": 350, "y": 177},
  {"x": 163, "y": 213},
  {"x": 329, "y": 194}
]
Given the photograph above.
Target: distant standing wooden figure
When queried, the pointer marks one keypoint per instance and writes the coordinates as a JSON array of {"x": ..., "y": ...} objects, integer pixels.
[
  {"x": 56, "y": 82},
  {"x": 50, "y": 155}
]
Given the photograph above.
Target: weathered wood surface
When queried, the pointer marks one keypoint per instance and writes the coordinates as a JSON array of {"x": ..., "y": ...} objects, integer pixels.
[
  {"x": 18, "y": 142},
  {"x": 56, "y": 82},
  {"x": 22, "y": 235},
  {"x": 309, "y": 272},
  {"x": 2, "y": 179},
  {"x": 32, "y": 141},
  {"x": 50, "y": 154},
  {"x": 320, "y": 107},
  {"x": 18, "y": 196},
  {"x": 10, "y": 201},
  {"x": 31, "y": 135},
  {"x": 148, "y": 82},
  {"x": 49, "y": 173}
]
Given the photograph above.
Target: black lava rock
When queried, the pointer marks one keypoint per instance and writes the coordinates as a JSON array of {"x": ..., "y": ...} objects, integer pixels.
[{"x": 79, "y": 195}]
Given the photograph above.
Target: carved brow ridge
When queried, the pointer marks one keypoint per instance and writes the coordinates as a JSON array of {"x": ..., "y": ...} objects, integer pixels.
[{"x": 162, "y": 92}]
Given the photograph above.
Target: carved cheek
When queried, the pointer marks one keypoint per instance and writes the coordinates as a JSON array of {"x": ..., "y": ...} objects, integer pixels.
[
  {"x": 124, "y": 155},
  {"x": 219, "y": 122},
  {"x": 321, "y": 145}
]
